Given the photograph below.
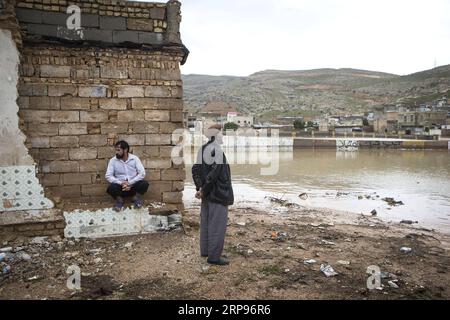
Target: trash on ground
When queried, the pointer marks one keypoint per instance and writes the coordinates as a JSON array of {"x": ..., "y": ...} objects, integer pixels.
[
  {"x": 405, "y": 250},
  {"x": 303, "y": 196},
  {"x": 309, "y": 261},
  {"x": 393, "y": 202},
  {"x": 328, "y": 270}
]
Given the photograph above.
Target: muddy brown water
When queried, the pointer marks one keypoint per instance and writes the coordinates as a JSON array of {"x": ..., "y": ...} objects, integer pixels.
[{"x": 351, "y": 181}]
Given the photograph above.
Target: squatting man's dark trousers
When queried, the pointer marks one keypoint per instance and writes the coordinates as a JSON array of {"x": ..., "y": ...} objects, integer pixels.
[{"x": 115, "y": 190}]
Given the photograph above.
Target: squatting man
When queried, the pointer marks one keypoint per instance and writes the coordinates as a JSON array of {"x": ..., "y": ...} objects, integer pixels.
[{"x": 126, "y": 174}]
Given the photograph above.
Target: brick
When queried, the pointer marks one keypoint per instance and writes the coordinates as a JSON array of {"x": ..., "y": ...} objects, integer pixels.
[
  {"x": 176, "y": 116},
  {"x": 112, "y": 23},
  {"x": 129, "y": 91},
  {"x": 76, "y": 178},
  {"x": 94, "y": 189},
  {"x": 145, "y": 127},
  {"x": 68, "y": 192},
  {"x": 172, "y": 197},
  {"x": 64, "y": 116},
  {"x": 57, "y": 18},
  {"x": 53, "y": 71},
  {"x": 62, "y": 90},
  {"x": 170, "y": 74},
  {"x": 130, "y": 116},
  {"x": 93, "y": 128},
  {"x": 44, "y": 103},
  {"x": 173, "y": 174},
  {"x": 113, "y": 104},
  {"x": 113, "y": 72},
  {"x": 153, "y": 175},
  {"x": 169, "y": 127},
  {"x": 145, "y": 151},
  {"x": 98, "y": 35},
  {"x": 105, "y": 152},
  {"x": 177, "y": 92},
  {"x": 53, "y": 154},
  {"x": 35, "y": 116},
  {"x": 74, "y": 103},
  {"x": 23, "y": 102},
  {"x": 170, "y": 104},
  {"x": 63, "y": 166},
  {"x": 158, "y": 139},
  {"x": 150, "y": 38},
  {"x": 133, "y": 139},
  {"x": 140, "y": 24},
  {"x": 64, "y": 142},
  {"x": 93, "y": 116},
  {"x": 94, "y": 166},
  {"x": 43, "y": 129},
  {"x": 26, "y": 70},
  {"x": 125, "y": 36},
  {"x": 157, "y": 115},
  {"x": 157, "y": 13},
  {"x": 50, "y": 180},
  {"x": 92, "y": 91},
  {"x": 157, "y": 92},
  {"x": 67, "y": 129},
  {"x": 93, "y": 140},
  {"x": 89, "y": 20},
  {"x": 144, "y": 103},
  {"x": 178, "y": 186},
  {"x": 114, "y": 128},
  {"x": 39, "y": 142},
  {"x": 29, "y": 15},
  {"x": 83, "y": 154},
  {"x": 165, "y": 151},
  {"x": 89, "y": 73},
  {"x": 31, "y": 227},
  {"x": 32, "y": 89},
  {"x": 158, "y": 187},
  {"x": 157, "y": 163}
]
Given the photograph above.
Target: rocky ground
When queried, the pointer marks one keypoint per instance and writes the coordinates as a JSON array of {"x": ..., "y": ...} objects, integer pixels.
[{"x": 272, "y": 257}]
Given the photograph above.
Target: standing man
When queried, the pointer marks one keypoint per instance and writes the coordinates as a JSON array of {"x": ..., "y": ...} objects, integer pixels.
[
  {"x": 212, "y": 178},
  {"x": 126, "y": 175}
]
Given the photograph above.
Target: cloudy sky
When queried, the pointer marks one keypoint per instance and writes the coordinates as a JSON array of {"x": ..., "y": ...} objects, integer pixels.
[{"x": 240, "y": 37}]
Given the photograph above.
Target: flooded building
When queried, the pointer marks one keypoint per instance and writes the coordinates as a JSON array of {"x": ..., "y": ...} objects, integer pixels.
[{"x": 75, "y": 80}]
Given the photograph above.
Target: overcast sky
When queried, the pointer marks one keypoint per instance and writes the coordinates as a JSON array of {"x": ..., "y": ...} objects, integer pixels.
[{"x": 240, "y": 37}]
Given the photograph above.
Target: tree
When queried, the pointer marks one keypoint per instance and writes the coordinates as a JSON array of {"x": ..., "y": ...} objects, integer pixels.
[
  {"x": 230, "y": 126},
  {"x": 365, "y": 122},
  {"x": 299, "y": 124}
]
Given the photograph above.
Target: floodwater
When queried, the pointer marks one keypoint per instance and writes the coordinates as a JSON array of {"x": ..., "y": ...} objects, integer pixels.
[{"x": 350, "y": 181}]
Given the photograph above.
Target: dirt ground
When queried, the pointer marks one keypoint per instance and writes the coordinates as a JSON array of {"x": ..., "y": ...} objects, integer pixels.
[{"x": 267, "y": 254}]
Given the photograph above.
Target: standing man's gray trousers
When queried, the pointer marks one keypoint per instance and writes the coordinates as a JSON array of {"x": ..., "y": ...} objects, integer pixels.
[{"x": 213, "y": 225}]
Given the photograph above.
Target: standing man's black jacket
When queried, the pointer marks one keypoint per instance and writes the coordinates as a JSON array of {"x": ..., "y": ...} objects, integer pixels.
[{"x": 213, "y": 177}]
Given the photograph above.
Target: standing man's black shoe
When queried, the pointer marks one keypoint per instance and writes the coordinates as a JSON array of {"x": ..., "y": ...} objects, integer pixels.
[{"x": 220, "y": 262}]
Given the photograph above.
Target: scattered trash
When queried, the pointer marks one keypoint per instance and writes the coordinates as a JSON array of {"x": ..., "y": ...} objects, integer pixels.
[
  {"x": 405, "y": 250},
  {"x": 6, "y": 269},
  {"x": 360, "y": 197},
  {"x": 393, "y": 202},
  {"x": 242, "y": 224},
  {"x": 6, "y": 249},
  {"x": 392, "y": 284},
  {"x": 279, "y": 236},
  {"x": 2, "y": 256},
  {"x": 98, "y": 260},
  {"x": 373, "y": 212},
  {"x": 282, "y": 202},
  {"x": 329, "y": 243},
  {"x": 328, "y": 270},
  {"x": 128, "y": 245},
  {"x": 309, "y": 261},
  {"x": 39, "y": 240},
  {"x": 303, "y": 196},
  {"x": 33, "y": 278},
  {"x": 408, "y": 221},
  {"x": 343, "y": 262},
  {"x": 23, "y": 256}
]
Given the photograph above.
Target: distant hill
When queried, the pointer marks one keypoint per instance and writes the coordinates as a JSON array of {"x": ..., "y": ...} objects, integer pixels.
[{"x": 314, "y": 92}]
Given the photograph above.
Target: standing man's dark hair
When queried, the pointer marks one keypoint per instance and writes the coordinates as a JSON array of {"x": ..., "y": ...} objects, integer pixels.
[{"x": 212, "y": 177}]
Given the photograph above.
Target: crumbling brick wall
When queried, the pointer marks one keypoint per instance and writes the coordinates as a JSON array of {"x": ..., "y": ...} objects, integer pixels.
[{"x": 78, "y": 96}]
